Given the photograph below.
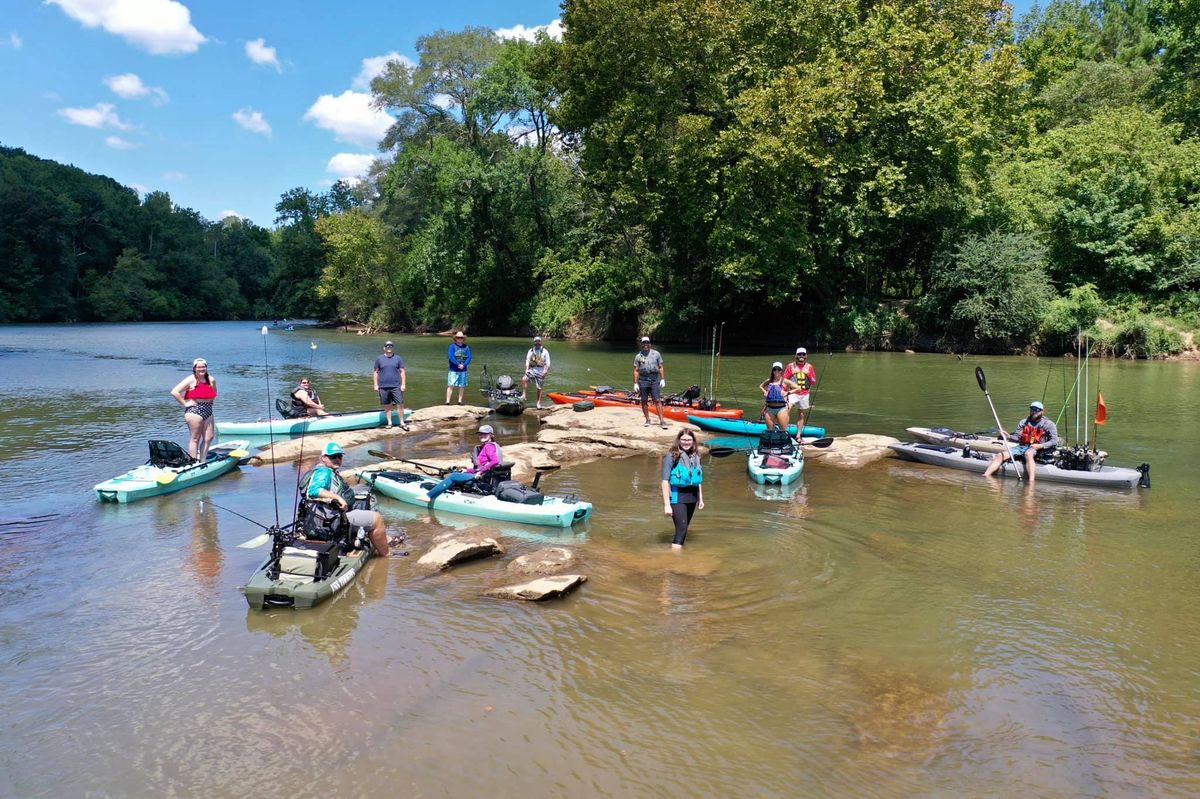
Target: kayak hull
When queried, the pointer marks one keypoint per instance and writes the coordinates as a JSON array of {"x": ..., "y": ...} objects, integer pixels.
[
  {"x": 553, "y": 512},
  {"x": 264, "y": 593},
  {"x": 743, "y": 428},
  {"x": 142, "y": 482},
  {"x": 948, "y": 457},
  {"x": 678, "y": 413},
  {"x": 770, "y": 475},
  {"x": 332, "y": 423},
  {"x": 949, "y": 438}
]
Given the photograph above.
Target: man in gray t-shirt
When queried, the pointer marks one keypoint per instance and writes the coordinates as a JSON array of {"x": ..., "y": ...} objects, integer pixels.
[
  {"x": 650, "y": 378},
  {"x": 390, "y": 378}
]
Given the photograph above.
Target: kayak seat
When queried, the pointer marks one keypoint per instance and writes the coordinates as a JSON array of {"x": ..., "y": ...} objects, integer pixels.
[
  {"x": 775, "y": 442},
  {"x": 286, "y": 411},
  {"x": 168, "y": 454},
  {"x": 490, "y": 480}
]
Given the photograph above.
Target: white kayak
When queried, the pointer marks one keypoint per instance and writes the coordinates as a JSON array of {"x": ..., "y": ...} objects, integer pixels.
[
  {"x": 965, "y": 460},
  {"x": 776, "y": 460},
  {"x": 333, "y": 423},
  {"x": 412, "y": 488}
]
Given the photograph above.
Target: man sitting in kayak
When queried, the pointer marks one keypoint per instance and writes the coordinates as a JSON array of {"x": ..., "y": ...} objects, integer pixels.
[
  {"x": 1034, "y": 434},
  {"x": 327, "y": 485},
  {"x": 484, "y": 456},
  {"x": 305, "y": 401}
]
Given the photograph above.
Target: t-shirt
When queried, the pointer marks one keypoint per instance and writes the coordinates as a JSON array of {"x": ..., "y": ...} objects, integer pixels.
[
  {"x": 798, "y": 375},
  {"x": 537, "y": 360},
  {"x": 326, "y": 479},
  {"x": 459, "y": 357},
  {"x": 389, "y": 370},
  {"x": 648, "y": 364}
]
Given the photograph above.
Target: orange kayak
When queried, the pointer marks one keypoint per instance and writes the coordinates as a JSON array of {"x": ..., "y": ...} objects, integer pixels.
[{"x": 679, "y": 412}]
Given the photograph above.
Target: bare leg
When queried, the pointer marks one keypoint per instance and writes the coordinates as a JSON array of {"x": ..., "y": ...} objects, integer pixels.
[
  {"x": 782, "y": 419},
  {"x": 449, "y": 391},
  {"x": 379, "y": 536},
  {"x": 658, "y": 407},
  {"x": 210, "y": 435},
  {"x": 195, "y": 433},
  {"x": 1029, "y": 467},
  {"x": 994, "y": 466}
]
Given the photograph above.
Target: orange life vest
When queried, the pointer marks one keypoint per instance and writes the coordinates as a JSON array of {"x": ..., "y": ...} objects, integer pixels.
[{"x": 1031, "y": 433}]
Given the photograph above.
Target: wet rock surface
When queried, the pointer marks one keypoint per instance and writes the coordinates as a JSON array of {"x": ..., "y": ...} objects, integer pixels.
[
  {"x": 452, "y": 549},
  {"x": 544, "y": 561},
  {"x": 540, "y": 589}
]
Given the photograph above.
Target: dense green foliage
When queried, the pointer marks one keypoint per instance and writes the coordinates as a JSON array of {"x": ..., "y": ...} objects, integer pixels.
[{"x": 893, "y": 172}]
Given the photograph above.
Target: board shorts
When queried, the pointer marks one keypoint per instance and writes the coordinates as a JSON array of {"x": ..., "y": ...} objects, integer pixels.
[
  {"x": 650, "y": 389},
  {"x": 361, "y": 518},
  {"x": 391, "y": 396},
  {"x": 456, "y": 379},
  {"x": 537, "y": 380},
  {"x": 801, "y": 401},
  {"x": 1019, "y": 449}
]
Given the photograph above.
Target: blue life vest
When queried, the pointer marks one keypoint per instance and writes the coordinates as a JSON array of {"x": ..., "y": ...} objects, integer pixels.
[
  {"x": 775, "y": 393},
  {"x": 683, "y": 477}
]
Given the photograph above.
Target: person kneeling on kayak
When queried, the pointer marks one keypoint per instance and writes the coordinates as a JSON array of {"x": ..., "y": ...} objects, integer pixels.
[
  {"x": 1034, "y": 435},
  {"x": 305, "y": 401},
  {"x": 485, "y": 456},
  {"x": 326, "y": 484}
]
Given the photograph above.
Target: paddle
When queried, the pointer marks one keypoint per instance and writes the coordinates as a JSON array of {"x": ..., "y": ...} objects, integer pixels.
[
  {"x": 388, "y": 456},
  {"x": 981, "y": 378},
  {"x": 725, "y": 452},
  {"x": 166, "y": 478}
]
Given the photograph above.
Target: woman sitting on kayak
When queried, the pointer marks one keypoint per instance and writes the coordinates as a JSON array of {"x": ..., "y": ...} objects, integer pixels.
[
  {"x": 306, "y": 402},
  {"x": 775, "y": 390},
  {"x": 196, "y": 393},
  {"x": 484, "y": 456}
]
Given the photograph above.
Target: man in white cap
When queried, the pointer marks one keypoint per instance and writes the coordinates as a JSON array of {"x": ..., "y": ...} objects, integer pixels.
[
  {"x": 649, "y": 379},
  {"x": 390, "y": 378},
  {"x": 804, "y": 375},
  {"x": 537, "y": 369},
  {"x": 1035, "y": 433},
  {"x": 327, "y": 485},
  {"x": 459, "y": 354}
]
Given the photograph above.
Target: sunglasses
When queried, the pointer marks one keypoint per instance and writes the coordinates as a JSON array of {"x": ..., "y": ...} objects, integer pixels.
[{"x": 334, "y": 457}]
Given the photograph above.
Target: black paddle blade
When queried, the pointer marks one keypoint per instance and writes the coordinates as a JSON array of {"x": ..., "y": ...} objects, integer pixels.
[
  {"x": 725, "y": 452},
  {"x": 981, "y": 378},
  {"x": 820, "y": 443},
  {"x": 378, "y": 453}
]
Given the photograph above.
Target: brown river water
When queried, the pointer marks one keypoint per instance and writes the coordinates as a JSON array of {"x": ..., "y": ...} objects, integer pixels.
[{"x": 893, "y": 631}]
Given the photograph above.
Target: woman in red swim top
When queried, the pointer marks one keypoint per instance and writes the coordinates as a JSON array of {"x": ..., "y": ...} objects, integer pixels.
[{"x": 196, "y": 393}]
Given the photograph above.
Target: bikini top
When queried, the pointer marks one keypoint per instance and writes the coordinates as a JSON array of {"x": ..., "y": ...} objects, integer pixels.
[{"x": 201, "y": 391}]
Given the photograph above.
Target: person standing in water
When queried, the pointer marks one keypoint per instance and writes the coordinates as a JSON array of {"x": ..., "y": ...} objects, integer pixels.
[
  {"x": 459, "y": 354},
  {"x": 649, "y": 379},
  {"x": 682, "y": 489},
  {"x": 537, "y": 368},
  {"x": 196, "y": 393}
]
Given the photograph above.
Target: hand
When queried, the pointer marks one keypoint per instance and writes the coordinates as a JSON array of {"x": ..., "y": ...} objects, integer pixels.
[
  {"x": 662, "y": 383},
  {"x": 700, "y": 505},
  {"x": 341, "y": 502},
  {"x": 636, "y": 389},
  {"x": 667, "y": 508}
]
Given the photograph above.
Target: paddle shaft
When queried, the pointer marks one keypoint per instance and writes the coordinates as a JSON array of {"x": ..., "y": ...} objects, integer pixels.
[
  {"x": 981, "y": 378},
  {"x": 725, "y": 452}
]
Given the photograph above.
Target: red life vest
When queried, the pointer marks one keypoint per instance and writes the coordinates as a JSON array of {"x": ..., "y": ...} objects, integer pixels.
[{"x": 1031, "y": 433}]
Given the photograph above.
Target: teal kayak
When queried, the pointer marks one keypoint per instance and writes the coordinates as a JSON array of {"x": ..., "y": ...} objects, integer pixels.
[
  {"x": 333, "y": 423},
  {"x": 412, "y": 488},
  {"x": 742, "y": 428},
  {"x": 150, "y": 480}
]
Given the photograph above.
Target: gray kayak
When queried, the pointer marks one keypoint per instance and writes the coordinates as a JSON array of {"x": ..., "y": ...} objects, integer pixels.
[{"x": 968, "y": 461}]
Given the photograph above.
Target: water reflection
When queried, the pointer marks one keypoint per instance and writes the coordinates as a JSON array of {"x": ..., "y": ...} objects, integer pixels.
[{"x": 205, "y": 555}]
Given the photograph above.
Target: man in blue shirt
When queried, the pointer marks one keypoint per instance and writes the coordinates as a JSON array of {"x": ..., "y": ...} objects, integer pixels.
[
  {"x": 389, "y": 382},
  {"x": 328, "y": 486},
  {"x": 459, "y": 354}
]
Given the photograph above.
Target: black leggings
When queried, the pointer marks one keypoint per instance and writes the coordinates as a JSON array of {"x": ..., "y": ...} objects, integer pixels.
[{"x": 682, "y": 512}]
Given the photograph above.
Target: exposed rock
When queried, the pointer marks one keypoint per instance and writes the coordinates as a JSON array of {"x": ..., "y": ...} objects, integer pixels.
[
  {"x": 852, "y": 452},
  {"x": 541, "y": 588},
  {"x": 452, "y": 549},
  {"x": 543, "y": 561}
]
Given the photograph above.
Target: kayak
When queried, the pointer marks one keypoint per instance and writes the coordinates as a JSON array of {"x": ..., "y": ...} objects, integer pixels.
[
  {"x": 412, "y": 488},
  {"x": 297, "y": 575},
  {"x": 965, "y": 460},
  {"x": 775, "y": 461},
  {"x": 334, "y": 422},
  {"x": 944, "y": 436},
  {"x": 743, "y": 428},
  {"x": 155, "y": 478},
  {"x": 678, "y": 413}
]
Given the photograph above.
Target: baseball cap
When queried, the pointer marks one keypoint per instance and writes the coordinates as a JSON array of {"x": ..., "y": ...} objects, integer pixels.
[
  {"x": 645, "y": 339},
  {"x": 1037, "y": 405},
  {"x": 199, "y": 362},
  {"x": 487, "y": 428},
  {"x": 388, "y": 344},
  {"x": 537, "y": 338},
  {"x": 777, "y": 365},
  {"x": 333, "y": 448},
  {"x": 801, "y": 351}
]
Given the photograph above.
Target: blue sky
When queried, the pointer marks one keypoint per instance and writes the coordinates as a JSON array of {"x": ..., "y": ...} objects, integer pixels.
[{"x": 223, "y": 104}]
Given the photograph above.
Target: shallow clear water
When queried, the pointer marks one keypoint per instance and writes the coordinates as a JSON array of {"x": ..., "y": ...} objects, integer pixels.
[{"x": 893, "y": 631}]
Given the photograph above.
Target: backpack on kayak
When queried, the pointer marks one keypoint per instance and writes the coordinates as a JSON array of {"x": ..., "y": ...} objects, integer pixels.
[{"x": 168, "y": 454}]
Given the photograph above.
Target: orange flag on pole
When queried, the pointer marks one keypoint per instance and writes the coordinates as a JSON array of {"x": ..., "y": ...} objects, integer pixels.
[{"x": 1101, "y": 409}]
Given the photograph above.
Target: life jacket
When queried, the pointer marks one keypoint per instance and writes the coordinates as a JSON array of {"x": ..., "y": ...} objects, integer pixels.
[
  {"x": 337, "y": 485},
  {"x": 299, "y": 407},
  {"x": 684, "y": 477},
  {"x": 479, "y": 448},
  {"x": 775, "y": 395},
  {"x": 1031, "y": 433}
]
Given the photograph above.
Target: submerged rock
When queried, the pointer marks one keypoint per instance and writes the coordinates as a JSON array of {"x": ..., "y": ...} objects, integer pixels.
[
  {"x": 540, "y": 589},
  {"x": 452, "y": 549},
  {"x": 543, "y": 561}
]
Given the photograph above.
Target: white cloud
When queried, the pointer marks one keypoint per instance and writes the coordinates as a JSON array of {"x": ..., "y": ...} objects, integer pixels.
[
  {"x": 104, "y": 115},
  {"x": 161, "y": 27},
  {"x": 174, "y": 176},
  {"x": 130, "y": 87},
  {"x": 14, "y": 41},
  {"x": 252, "y": 121},
  {"x": 117, "y": 143},
  {"x": 263, "y": 55},
  {"x": 139, "y": 188},
  {"x": 373, "y": 67},
  {"x": 552, "y": 29},
  {"x": 228, "y": 213},
  {"x": 350, "y": 166},
  {"x": 351, "y": 118}
]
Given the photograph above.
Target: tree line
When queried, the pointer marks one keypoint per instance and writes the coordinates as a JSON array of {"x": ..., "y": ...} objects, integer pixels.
[{"x": 892, "y": 173}]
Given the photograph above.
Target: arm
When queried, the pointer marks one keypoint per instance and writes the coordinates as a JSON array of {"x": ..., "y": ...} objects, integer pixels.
[
  {"x": 1051, "y": 436},
  {"x": 403, "y": 378},
  {"x": 318, "y": 488},
  {"x": 487, "y": 458},
  {"x": 184, "y": 386},
  {"x": 662, "y": 371},
  {"x": 375, "y": 375},
  {"x": 812, "y": 375},
  {"x": 467, "y": 362},
  {"x": 666, "y": 484},
  {"x": 546, "y": 356},
  {"x": 763, "y": 387}
]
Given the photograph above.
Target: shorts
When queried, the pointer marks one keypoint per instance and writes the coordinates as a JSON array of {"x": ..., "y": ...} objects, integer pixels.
[
  {"x": 650, "y": 389},
  {"x": 361, "y": 518},
  {"x": 774, "y": 412},
  {"x": 391, "y": 396},
  {"x": 1019, "y": 449},
  {"x": 537, "y": 380},
  {"x": 801, "y": 401},
  {"x": 456, "y": 379}
]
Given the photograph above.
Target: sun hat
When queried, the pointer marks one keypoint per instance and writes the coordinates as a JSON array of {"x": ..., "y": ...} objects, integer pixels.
[
  {"x": 776, "y": 365},
  {"x": 460, "y": 334},
  {"x": 487, "y": 428},
  {"x": 332, "y": 448},
  {"x": 801, "y": 351},
  {"x": 1037, "y": 405}
]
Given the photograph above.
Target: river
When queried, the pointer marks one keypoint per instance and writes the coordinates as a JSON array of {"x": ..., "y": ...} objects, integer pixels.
[{"x": 885, "y": 632}]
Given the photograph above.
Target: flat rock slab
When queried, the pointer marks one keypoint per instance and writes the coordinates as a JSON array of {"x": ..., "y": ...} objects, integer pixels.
[
  {"x": 544, "y": 561},
  {"x": 454, "y": 550},
  {"x": 540, "y": 589},
  {"x": 852, "y": 452}
]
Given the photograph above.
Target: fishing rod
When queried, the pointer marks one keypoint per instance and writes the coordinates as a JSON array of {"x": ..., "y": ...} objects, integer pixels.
[
  {"x": 270, "y": 427},
  {"x": 312, "y": 351}
]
